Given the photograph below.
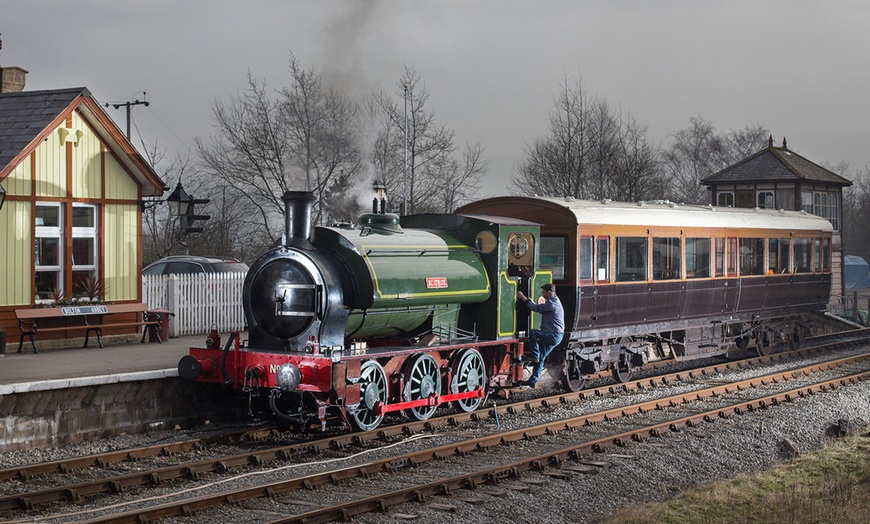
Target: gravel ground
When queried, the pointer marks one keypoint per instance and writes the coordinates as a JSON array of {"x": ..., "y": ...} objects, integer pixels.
[{"x": 657, "y": 469}]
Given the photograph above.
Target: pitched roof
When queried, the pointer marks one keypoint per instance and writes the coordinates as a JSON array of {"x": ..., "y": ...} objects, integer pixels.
[
  {"x": 775, "y": 164},
  {"x": 26, "y": 117}
]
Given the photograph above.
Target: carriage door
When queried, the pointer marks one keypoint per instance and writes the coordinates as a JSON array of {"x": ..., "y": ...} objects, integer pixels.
[{"x": 521, "y": 266}]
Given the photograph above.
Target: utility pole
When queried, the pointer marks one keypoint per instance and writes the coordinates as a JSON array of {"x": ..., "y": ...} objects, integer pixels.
[
  {"x": 405, "y": 174},
  {"x": 129, "y": 105}
]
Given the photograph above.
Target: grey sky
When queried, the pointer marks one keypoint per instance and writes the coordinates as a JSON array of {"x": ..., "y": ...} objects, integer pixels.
[{"x": 492, "y": 67}]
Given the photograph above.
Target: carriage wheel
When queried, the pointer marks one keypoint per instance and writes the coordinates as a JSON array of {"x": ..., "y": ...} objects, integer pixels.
[
  {"x": 623, "y": 370},
  {"x": 372, "y": 389},
  {"x": 762, "y": 345},
  {"x": 468, "y": 375},
  {"x": 572, "y": 377},
  {"x": 424, "y": 379}
]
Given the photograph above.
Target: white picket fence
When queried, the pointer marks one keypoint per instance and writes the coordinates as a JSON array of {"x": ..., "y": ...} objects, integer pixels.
[{"x": 200, "y": 302}]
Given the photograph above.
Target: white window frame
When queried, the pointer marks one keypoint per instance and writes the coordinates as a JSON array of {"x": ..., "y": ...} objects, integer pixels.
[
  {"x": 88, "y": 232},
  {"x": 43, "y": 231},
  {"x": 761, "y": 199},
  {"x": 721, "y": 194}
]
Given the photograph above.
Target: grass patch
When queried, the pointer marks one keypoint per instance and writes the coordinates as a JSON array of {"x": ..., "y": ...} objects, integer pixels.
[{"x": 831, "y": 485}]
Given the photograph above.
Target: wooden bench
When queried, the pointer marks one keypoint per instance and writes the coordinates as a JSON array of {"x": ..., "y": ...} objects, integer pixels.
[{"x": 88, "y": 318}]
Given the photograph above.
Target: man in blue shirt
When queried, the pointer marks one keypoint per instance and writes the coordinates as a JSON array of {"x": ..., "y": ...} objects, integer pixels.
[{"x": 542, "y": 341}]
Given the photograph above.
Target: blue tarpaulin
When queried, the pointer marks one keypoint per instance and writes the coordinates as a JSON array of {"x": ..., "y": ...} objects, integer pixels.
[{"x": 857, "y": 272}]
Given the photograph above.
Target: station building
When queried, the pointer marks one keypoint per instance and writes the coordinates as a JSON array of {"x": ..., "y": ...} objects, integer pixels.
[{"x": 70, "y": 219}]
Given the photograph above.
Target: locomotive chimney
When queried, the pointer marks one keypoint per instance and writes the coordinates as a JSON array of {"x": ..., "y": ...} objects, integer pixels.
[{"x": 297, "y": 217}]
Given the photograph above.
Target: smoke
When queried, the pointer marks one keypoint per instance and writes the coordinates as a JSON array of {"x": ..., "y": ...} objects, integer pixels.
[{"x": 344, "y": 48}]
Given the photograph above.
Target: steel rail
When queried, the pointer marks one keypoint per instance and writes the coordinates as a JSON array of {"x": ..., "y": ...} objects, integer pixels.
[
  {"x": 494, "y": 475},
  {"x": 192, "y": 505},
  {"x": 28, "y": 471},
  {"x": 192, "y": 470}
]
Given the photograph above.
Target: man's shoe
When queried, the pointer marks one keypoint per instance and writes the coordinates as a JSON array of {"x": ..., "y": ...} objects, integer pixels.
[{"x": 526, "y": 361}]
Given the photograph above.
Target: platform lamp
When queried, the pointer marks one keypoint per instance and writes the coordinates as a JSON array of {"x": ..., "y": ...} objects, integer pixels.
[
  {"x": 179, "y": 201},
  {"x": 2, "y": 196}
]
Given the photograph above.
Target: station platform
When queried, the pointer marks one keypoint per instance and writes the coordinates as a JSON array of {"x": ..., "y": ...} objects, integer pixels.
[{"x": 75, "y": 367}]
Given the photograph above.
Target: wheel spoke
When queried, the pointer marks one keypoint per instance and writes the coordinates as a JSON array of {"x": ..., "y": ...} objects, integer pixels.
[
  {"x": 425, "y": 379},
  {"x": 469, "y": 374},
  {"x": 373, "y": 390}
]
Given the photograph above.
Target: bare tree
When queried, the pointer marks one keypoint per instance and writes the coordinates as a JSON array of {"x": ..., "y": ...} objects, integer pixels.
[
  {"x": 699, "y": 151},
  {"x": 856, "y": 211},
  {"x": 250, "y": 151},
  {"x": 637, "y": 175},
  {"x": 324, "y": 127},
  {"x": 559, "y": 164},
  {"x": 305, "y": 137},
  {"x": 591, "y": 151},
  {"x": 437, "y": 179}
]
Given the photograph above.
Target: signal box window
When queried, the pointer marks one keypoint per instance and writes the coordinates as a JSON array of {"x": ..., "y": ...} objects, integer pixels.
[
  {"x": 765, "y": 200},
  {"x": 698, "y": 258},
  {"x": 667, "y": 260},
  {"x": 603, "y": 265},
  {"x": 553, "y": 256},
  {"x": 631, "y": 259}
]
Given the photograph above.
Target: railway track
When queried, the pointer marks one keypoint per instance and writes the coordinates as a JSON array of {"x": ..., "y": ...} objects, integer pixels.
[{"x": 340, "y": 444}]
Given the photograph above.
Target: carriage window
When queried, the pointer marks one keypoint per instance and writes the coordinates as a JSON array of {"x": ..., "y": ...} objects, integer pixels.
[
  {"x": 631, "y": 259},
  {"x": 586, "y": 259},
  {"x": 667, "y": 259},
  {"x": 731, "y": 266},
  {"x": 720, "y": 257},
  {"x": 603, "y": 265},
  {"x": 817, "y": 249},
  {"x": 553, "y": 256},
  {"x": 803, "y": 255},
  {"x": 777, "y": 255},
  {"x": 698, "y": 257},
  {"x": 752, "y": 256}
]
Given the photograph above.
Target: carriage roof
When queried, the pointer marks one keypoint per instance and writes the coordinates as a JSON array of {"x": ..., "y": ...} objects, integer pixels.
[{"x": 661, "y": 214}]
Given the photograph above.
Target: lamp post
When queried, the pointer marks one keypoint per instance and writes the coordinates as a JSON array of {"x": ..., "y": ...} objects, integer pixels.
[{"x": 182, "y": 205}]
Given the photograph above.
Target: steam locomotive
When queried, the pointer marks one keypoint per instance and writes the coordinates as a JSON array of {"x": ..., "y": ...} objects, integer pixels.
[{"x": 404, "y": 314}]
